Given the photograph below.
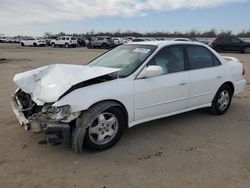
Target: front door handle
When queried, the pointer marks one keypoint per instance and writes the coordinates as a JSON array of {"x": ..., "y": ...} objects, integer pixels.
[{"x": 183, "y": 83}]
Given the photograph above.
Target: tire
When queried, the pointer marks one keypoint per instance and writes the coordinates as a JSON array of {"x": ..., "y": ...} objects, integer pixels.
[
  {"x": 246, "y": 50},
  {"x": 104, "y": 46},
  {"x": 22, "y": 44},
  {"x": 105, "y": 128},
  {"x": 222, "y": 100},
  {"x": 53, "y": 45},
  {"x": 66, "y": 45},
  {"x": 218, "y": 49},
  {"x": 34, "y": 44}
]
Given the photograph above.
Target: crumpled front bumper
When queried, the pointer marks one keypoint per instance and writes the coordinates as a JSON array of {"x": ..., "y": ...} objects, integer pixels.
[{"x": 55, "y": 132}]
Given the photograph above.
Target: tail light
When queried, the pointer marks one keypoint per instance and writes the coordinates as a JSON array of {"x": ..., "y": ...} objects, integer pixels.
[{"x": 243, "y": 71}]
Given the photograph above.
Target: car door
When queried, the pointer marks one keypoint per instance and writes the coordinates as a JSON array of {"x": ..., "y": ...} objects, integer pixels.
[
  {"x": 236, "y": 44},
  {"x": 169, "y": 92},
  {"x": 99, "y": 41},
  {"x": 206, "y": 75},
  {"x": 62, "y": 41},
  {"x": 57, "y": 42},
  {"x": 225, "y": 43},
  {"x": 29, "y": 42}
]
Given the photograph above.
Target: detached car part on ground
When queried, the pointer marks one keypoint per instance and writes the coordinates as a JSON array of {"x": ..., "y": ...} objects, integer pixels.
[{"x": 131, "y": 84}]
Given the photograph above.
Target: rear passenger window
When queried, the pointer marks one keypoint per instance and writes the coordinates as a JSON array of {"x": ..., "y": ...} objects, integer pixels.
[
  {"x": 199, "y": 57},
  {"x": 67, "y": 38},
  {"x": 63, "y": 38},
  {"x": 216, "y": 61}
]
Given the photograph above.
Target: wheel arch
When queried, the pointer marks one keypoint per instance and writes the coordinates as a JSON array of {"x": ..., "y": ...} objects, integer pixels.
[
  {"x": 113, "y": 103},
  {"x": 79, "y": 133},
  {"x": 230, "y": 84}
]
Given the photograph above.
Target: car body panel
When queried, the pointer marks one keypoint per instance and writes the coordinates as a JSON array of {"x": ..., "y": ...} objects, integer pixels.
[
  {"x": 160, "y": 95},
  {"x": 48, "y": 83},
  {"x": 144, "y": 99}
]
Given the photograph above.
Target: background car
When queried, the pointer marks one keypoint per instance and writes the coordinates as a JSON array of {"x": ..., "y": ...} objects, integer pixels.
[
  {"x": 138, "y": 40},
  {"x": 118, "y": 41},
  {"x": 101, "y": 42},
  {"x": 230, "y": 43},
  {"x": 186, "y": 39},
  {"x": 33, "y": 42},
  {"x": 81, "y": 41},
  {"x": 5, "y": 40},
  {"x": 66, "y": 41}
]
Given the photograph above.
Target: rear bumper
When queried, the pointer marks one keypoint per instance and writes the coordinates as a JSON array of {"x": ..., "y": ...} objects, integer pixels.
[
  {"x": 239, "y": 86},
  {"x": 55, "y": 132}
]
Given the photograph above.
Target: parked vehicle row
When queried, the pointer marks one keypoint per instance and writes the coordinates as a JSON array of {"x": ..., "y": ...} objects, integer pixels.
[
  {"x": 10, "y": 39},
  {"x": 220, "y": 44}
]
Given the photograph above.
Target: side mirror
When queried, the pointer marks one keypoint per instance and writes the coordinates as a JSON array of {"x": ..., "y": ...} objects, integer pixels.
[{"x": 151, "y": 71}]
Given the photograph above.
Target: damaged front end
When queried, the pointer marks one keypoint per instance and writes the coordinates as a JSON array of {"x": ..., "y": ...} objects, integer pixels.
[{"x": 54, "y": 122}]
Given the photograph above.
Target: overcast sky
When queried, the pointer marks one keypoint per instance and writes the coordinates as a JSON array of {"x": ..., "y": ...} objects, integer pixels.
[{"x": 34, "y": 17}]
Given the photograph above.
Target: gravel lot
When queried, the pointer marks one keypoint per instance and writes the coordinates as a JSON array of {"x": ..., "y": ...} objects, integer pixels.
[{"x": 193, "y": 149}]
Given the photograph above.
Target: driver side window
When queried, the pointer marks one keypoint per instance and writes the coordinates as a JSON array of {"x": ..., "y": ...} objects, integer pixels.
[{"x": 171, "y": 59}]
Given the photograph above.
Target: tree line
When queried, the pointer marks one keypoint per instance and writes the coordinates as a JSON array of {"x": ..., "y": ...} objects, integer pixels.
[{"x": 191, "y": 34}]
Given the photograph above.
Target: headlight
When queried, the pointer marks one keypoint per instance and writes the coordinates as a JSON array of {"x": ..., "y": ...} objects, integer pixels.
[{"x": 56, "y": 113}]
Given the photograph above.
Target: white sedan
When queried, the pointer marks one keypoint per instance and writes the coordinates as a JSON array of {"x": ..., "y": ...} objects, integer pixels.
[
  {"x": 33, "y": 42},
  {"x": 131, "y": 84}
]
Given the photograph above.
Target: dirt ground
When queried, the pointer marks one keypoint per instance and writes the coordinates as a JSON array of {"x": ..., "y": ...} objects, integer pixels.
[{"x": 193, "y": 149}]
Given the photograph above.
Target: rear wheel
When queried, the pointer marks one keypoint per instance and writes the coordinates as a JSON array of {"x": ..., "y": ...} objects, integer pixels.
[
  {"x": 247, "y": 50},
  {"x": 222, "y": 100},
  {"x": 218, "y": 49},
  {"x": 67, "y": 45},
  {"x": 104, "y": 46},
  {"x": 34, "y": 44},
  {"x": 22, "y": 44}
]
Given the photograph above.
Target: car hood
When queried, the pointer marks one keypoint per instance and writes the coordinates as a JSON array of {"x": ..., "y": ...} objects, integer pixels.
[{"x": 46, "y": 84}]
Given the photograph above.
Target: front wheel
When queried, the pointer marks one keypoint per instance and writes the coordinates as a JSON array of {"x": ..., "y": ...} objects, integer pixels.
[
  {"x": 66, "y": 45},
  {"x": 99, "y": 129},
  {"x": 218, "y": 49},
  {"x": 104, "y": 46},
  {"x": 222, "y": 100},
  {"x": 106, "y": 129},
  {"x": 53, "y": 45}
]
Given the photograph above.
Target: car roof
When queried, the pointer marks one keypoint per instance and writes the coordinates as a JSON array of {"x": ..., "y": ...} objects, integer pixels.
[{"x": 166, "y": 43}]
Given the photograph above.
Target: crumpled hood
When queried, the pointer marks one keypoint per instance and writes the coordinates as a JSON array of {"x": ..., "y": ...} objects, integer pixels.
[{"x": 46, "y": 84}]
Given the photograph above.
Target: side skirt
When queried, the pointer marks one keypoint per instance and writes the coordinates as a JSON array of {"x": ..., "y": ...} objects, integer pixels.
[{"x": 167, "y": 115}]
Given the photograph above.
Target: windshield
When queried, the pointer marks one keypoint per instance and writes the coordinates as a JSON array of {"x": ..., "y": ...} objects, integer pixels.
[{"x": 127, "y": 57}]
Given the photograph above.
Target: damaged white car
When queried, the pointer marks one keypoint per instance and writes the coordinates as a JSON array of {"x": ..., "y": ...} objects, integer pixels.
[{"x": 137, "y": 82}]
